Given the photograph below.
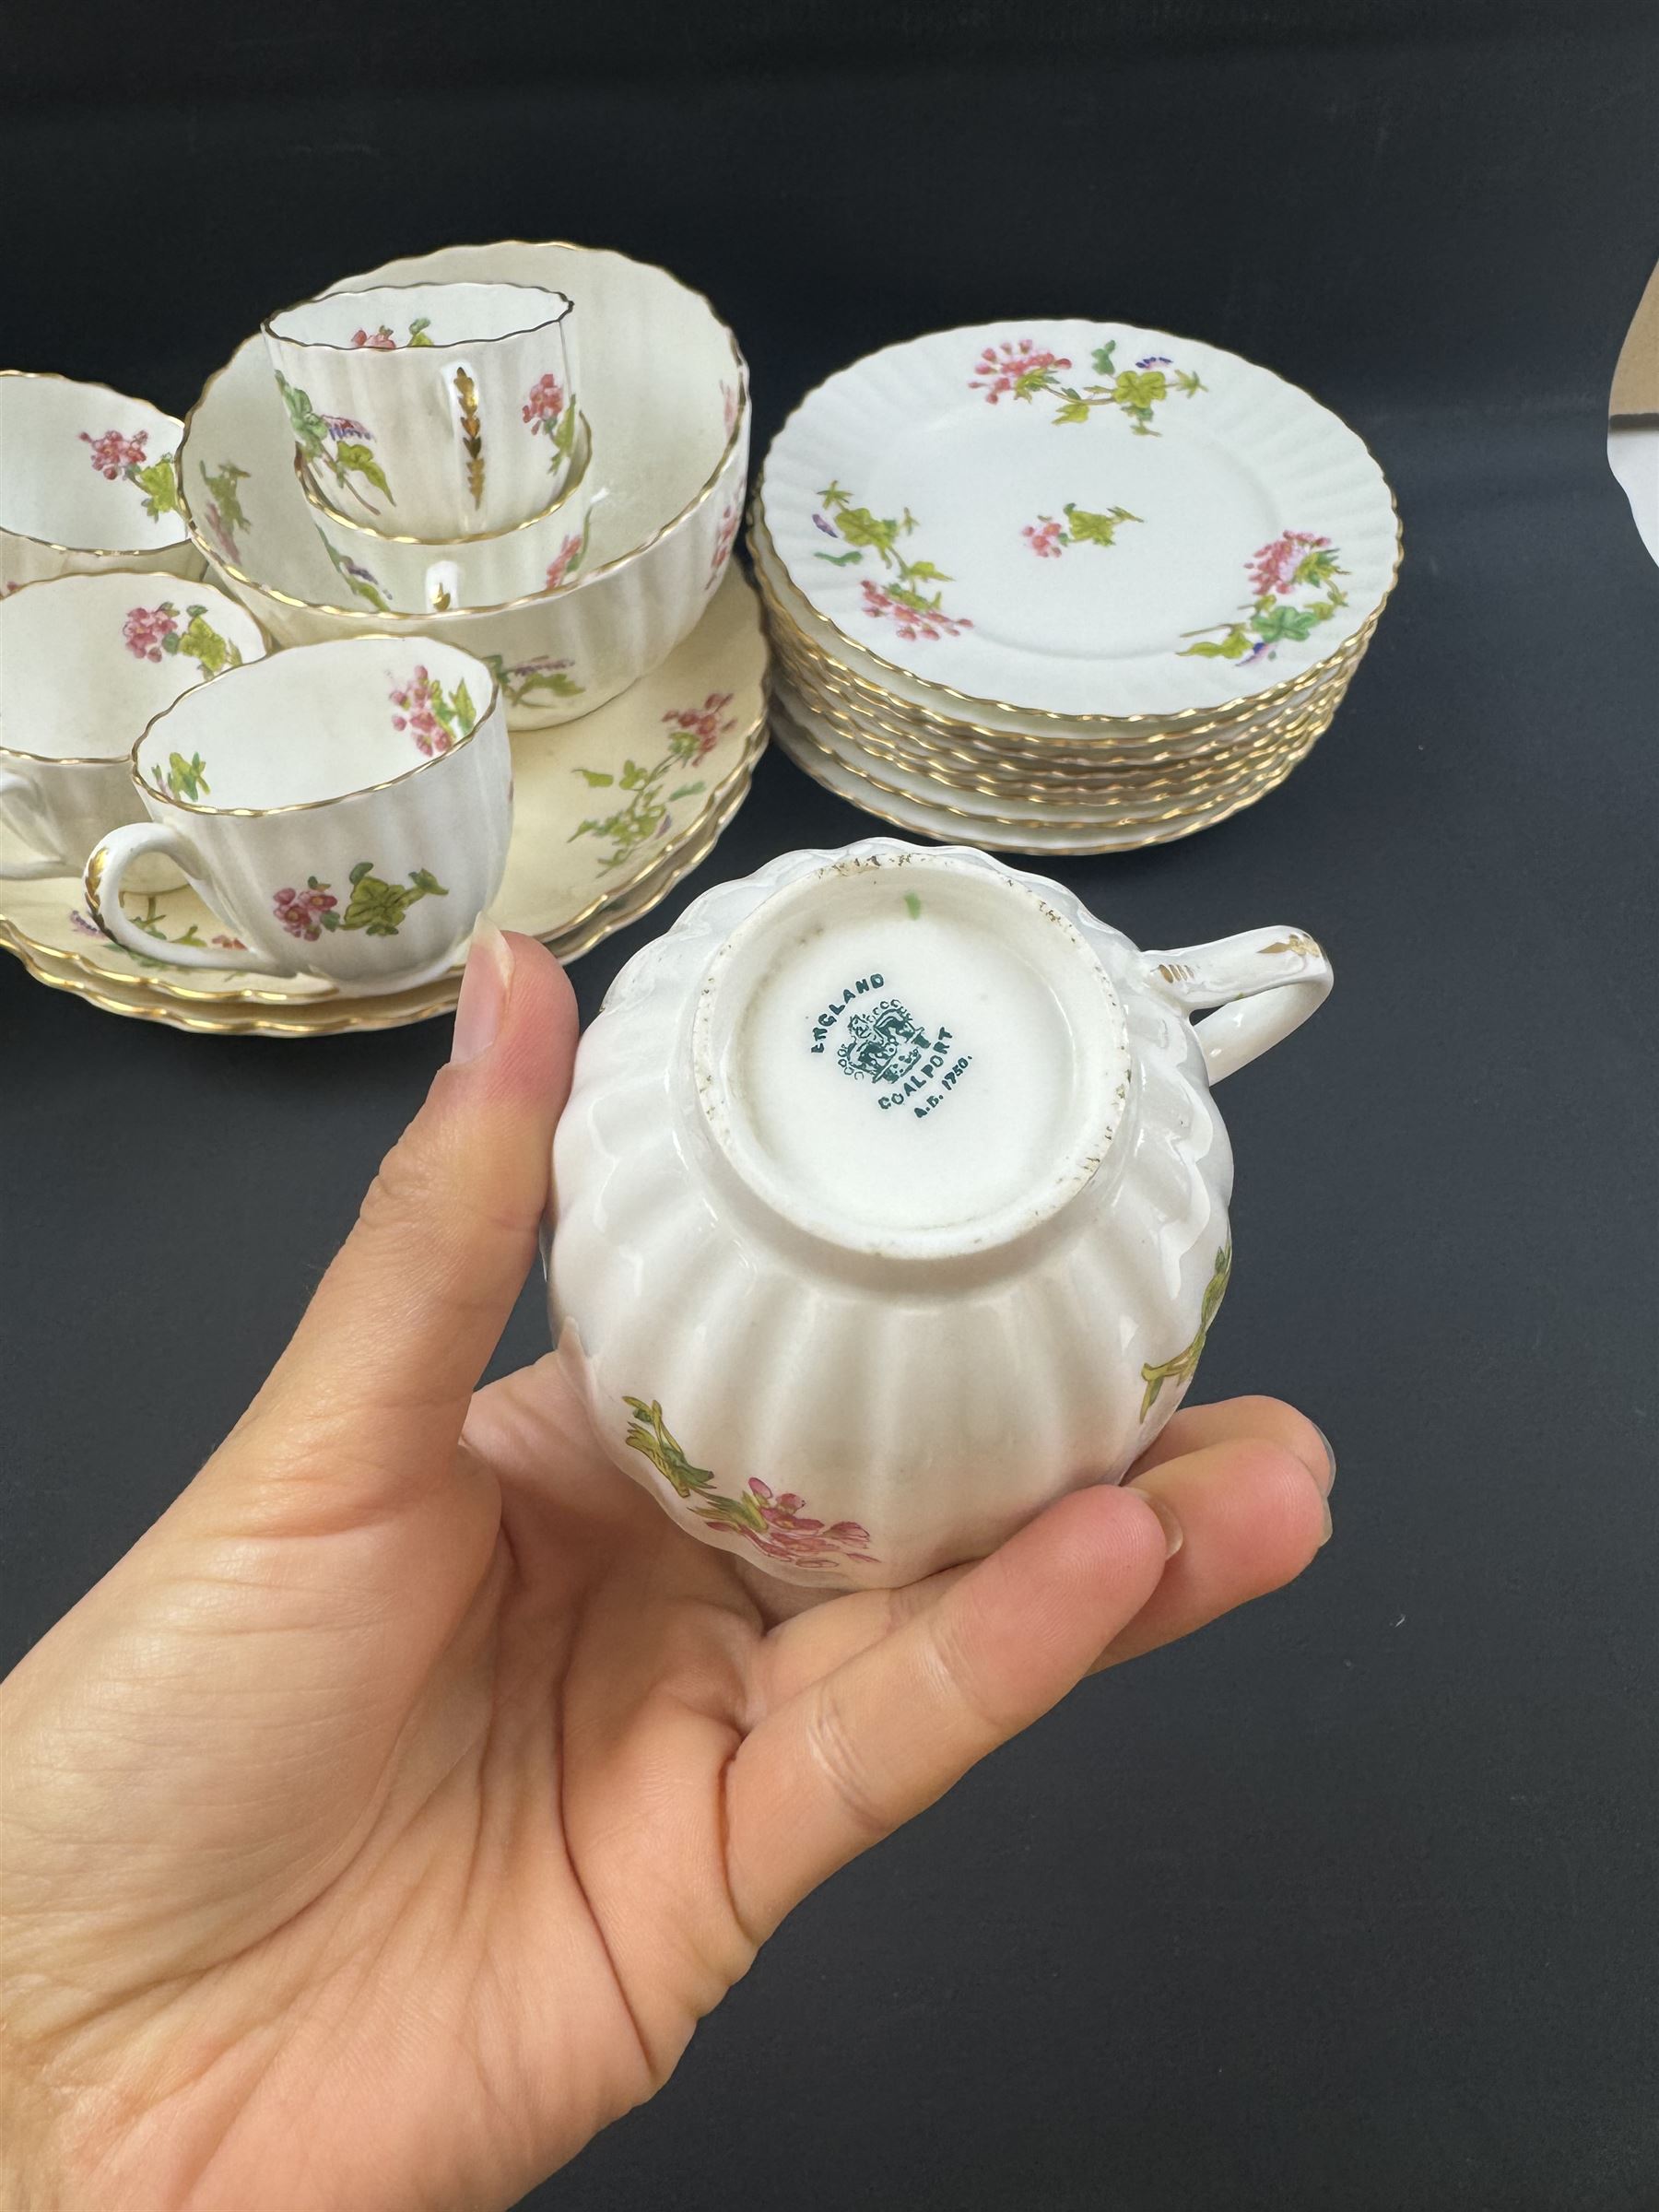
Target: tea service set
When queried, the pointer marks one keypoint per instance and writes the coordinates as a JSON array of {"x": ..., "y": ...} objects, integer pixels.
[
  {"x": 890, "y": 1201},
  {"x": 511, "y": 479}
]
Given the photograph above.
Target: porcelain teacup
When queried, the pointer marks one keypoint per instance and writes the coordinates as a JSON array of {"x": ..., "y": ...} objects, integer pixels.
[
  {"x": 421, "y": 575},
  {"x": 438, "y": 410},
  {"x": 344, "y": 809},
  {"x": 89, "y": 482},
  {"x": 891, "y": 1202},
  {"x": 86, "y": 662}
]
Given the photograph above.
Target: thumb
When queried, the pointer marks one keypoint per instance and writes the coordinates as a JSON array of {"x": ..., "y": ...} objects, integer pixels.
[{"x": 364, "y": 1408}]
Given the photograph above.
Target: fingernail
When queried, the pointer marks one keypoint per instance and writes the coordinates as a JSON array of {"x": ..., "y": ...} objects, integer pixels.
[
  {"x": 1325, "y": 1509},
  {"x": 1174, "y": 1535},
  {"x": 484, "y": 989},
  {"x": 1330, "y": 1457}
]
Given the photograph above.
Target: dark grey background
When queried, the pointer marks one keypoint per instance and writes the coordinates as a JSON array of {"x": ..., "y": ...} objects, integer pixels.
[{"x": 1352, "y": 1901}]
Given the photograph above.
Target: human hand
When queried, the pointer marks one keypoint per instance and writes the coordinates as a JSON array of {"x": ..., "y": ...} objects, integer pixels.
[{"x": 382, "y": 1824}]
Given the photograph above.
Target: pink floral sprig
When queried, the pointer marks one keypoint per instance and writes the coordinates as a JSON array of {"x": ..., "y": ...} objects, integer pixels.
[
  {"x": 792, "y": 1534},
  {"x": 730, "y": 515},
  {"x": 1015, "y": 370},
  {"x": 1273, "y": 572},
  {"x": 300, "y": 911},
  {"x": 565, "y": 560},
  {"x": 546, "y": 402},
  {"x": 912, "y": 623},
  {"x": 1044, "y": 537},
  {"x": 698, "y": 729},
  {"x": 113, "y": 454},
  {"x": 376, "y": 341},
  {"x": 420, "y": 715},
  {"x": 146, "y": 631}
]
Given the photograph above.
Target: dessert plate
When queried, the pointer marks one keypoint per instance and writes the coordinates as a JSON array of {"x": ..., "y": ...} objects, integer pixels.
[
  {"x": 966, "y": 818},
  {"x": 600, "y": 807},
  {"x": 1085, "y": 520}
]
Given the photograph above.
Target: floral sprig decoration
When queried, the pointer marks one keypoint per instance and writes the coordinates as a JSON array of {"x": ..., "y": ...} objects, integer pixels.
[
  {"x": 776, "y": 1523},
  {"x": 550, "y": 416},
  {"x": 1295, "y": 561},
  {"x": 431, "y": 716},
  {"x": 149, "y": 632},
  {"x": 1049, "y": 535},
  {"x": 115, "y": 456},
  {"x": 376, "y": 907},
  {"x": 646, "y": 809},
  {"x": 224, "y": 511},
  {"x": 337, "y": 443},
  {"x": 1019, "y": 369},
  {"x": 520, "y": 680},
  {"x": 382, "y": 341},
  {"x": 915, "y": 614}
]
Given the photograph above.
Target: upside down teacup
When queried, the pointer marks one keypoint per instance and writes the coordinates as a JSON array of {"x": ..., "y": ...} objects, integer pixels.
[
  {"x": 441, "y": 410},
  {"x": 410, "y": 575},
  {"x": 344, "y": 809},
  {"x": 86, "y": 662},
  {"x": 891, "y": 1202}
]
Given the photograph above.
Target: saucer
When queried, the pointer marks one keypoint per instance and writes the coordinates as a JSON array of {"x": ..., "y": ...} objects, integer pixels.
[
  {"x": 1086, "y": 521},
  {"x": 609, "y": 812}
]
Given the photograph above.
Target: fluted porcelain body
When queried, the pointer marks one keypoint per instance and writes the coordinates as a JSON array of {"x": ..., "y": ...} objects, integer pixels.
[{"x": 891, "y": 1202}]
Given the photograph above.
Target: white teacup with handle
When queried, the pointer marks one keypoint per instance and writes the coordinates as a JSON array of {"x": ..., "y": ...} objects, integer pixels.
[
  {"x": 344, "y": 809},
  {"x": 86, "y": 662}
]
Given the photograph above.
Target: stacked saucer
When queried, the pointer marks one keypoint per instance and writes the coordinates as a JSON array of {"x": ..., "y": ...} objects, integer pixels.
[{"x": 1066, "y": 587}]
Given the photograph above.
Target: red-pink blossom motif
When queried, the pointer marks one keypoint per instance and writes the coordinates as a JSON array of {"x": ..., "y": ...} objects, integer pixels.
[
  {"x": 547, "y": 400},
  {"x": 564, "y": 560},
  {"x": 298, "y": 911},
  {"x": 1014, "y": 368},
  {"x": 792, "y": 1534},
  {"x": 1043, "y": 537},
  {"x": 376, "y": 341},
  {"x": 146, "y": 629},
  {"x": 698, "y": 729},
  {"x": 113, "y": 454},
  {"x": 912, "y": 623},
  {"x": 235, "y": 943},
  {"x": 420, "y": 715},
  {"x": 724, "y": 535},
  {"x": 728, "y": 401},
  {"x": 1273, "y": 572}
]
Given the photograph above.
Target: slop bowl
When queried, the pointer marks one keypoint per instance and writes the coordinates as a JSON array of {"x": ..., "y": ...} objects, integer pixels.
[{"x": 666, "y": 394}]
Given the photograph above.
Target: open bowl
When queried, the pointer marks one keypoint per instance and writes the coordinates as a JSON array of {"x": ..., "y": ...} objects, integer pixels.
[
  {"x": 665, "y": 391},
  {"x": 89, "y": 482}
]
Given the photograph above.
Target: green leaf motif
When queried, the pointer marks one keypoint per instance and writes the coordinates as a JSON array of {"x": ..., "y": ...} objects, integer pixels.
[
  {"x": 311, "y": 432},
  {"x": 351, "y": 457},
  {"x": 594, "y": 778},
  {"x": 1184, "y": 1365},
  {"x": 1085, "y": 527},
  {"x": 160, "y": 484},
  {"x": 378, "y": 908},
  {"x": 1140, "y": 387},
  {"x": 418, "y": 331},
  {"x": 1074, "y": 410},
  {"x": 187, "y": 779},
  {"x": 1103, "y": 358},
  {"x": 842, "y": 560}
]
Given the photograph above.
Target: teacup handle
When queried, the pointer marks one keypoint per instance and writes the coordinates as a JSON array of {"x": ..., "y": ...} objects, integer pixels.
[
  {"x": 17, "y": 812},
  {"x": 1265, "y": 981},
  {"x": 106, "y": 871}
]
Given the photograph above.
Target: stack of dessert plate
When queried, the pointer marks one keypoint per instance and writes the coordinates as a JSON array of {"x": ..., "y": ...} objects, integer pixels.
[{"x": 1065, "y": 586}]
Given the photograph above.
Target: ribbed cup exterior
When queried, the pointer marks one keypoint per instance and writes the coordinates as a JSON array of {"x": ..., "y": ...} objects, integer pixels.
[{"x": 923, "y": 1408}]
